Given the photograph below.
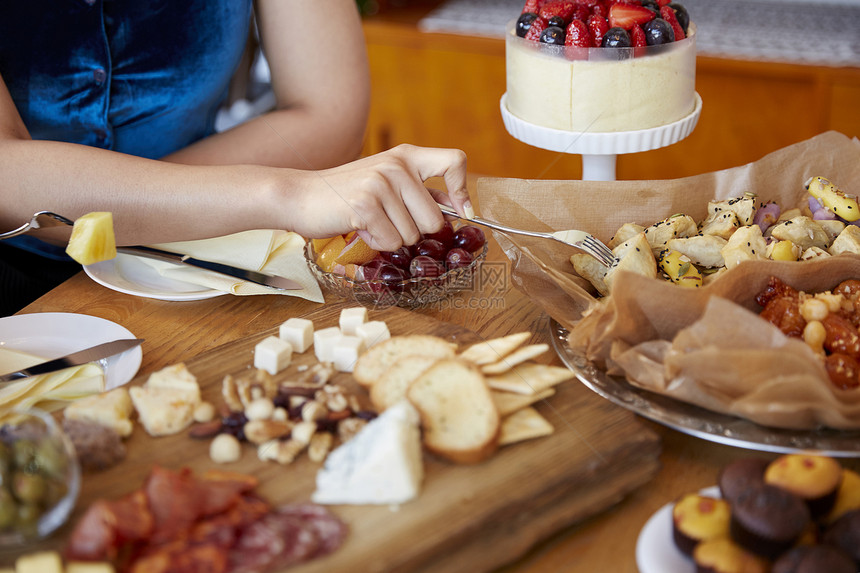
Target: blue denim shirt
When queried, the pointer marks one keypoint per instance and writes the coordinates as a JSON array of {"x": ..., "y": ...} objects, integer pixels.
[{"x": 142, "y": 77}]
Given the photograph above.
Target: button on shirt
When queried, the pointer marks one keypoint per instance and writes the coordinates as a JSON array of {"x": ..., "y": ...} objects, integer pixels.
[{"x": 140, "y": 77}]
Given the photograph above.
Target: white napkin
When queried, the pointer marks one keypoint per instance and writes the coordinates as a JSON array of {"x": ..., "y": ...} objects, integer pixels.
[
  {"x": 272, "y": 252},
  {"x": 47, "y": 391}
]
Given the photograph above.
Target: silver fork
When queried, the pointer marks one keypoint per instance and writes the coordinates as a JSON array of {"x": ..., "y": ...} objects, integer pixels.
[
  {"x": 579, "y": 239},
  {"x": 40, "y": 220}
]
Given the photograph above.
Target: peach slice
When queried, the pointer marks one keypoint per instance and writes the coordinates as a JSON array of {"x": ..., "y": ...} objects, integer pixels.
[
  {"x": 326, "y": 258},
  {"x": 356, "y": 252}
]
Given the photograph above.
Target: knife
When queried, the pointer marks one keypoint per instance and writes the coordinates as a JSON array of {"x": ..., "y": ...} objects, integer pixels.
[
  {"x": 235, "y": 272},
  {"x": 97, "y": 352}
]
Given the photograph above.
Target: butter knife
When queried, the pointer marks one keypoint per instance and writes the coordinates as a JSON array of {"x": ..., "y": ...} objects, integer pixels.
[
  {"x": 92, "y": 354},
  {"x": 234, "y": 272}
]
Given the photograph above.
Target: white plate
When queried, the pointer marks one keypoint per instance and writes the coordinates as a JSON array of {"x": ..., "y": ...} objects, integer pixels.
[
  {"x": 51, "y": 335},
  {"x": 130, "y": 275},
  {"x": 655, "y": 549}
]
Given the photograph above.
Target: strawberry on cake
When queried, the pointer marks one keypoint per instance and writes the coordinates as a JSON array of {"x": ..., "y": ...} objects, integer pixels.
[{"x": 601, "y": 65}]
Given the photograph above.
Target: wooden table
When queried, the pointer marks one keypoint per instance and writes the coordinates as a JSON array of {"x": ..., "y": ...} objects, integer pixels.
[{"x": 180, "y": 331}]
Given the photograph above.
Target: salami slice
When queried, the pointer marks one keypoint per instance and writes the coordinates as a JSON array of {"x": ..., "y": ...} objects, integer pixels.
[
  {"x": 273, "y": 542},
  {"x": 329, "y": 528}
]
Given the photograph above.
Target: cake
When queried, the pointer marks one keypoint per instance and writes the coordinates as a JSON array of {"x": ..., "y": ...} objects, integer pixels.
[
  {"x": 813, "y": 478},
  {"x": 739, "y": 475},
  {"x": 722, "y": 555},
  {"x": 767, "y": 520},
  {"x": 814, "y": 559},
  {"x": 696, "y": 518},
  {"x": 610, "y": 86}
]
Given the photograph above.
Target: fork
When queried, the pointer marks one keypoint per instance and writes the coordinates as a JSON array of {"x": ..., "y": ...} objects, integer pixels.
[
  {"x": 579, "y": 239},
  {"x": 40, "y": 220}
]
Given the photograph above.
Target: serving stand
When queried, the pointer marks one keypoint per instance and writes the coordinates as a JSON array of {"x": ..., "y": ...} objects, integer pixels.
[{"x": 600, "y": 151}]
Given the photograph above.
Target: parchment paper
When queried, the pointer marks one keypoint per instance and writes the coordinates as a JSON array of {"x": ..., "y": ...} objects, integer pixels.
[{"x": 677, "y": 341}]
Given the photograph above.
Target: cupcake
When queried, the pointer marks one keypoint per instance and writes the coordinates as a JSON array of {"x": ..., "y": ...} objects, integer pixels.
[
  {"x": 813, "y": 478},
  {"x": 814, "y": 559},
  {"x": 722, "y": 555},
  {"x": 847, "y": 497},
  {"x": 845, "y": 534},
  {"x": 739, "y": 475},
  {"x": 768, "y": 520},
  {"x": 696, "y": 518}
]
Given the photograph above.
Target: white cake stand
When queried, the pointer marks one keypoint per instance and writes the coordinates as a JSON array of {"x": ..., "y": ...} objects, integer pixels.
[{"x": 600, "y": 150}]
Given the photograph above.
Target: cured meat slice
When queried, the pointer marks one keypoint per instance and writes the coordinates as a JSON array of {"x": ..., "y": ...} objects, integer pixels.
[
  {"x": 273, "y": 542},
  {"x": 329, "y": 528}
]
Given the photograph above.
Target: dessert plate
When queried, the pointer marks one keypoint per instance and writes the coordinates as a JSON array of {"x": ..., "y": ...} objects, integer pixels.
[
  {"x": 47, "y": 335},
  {"x": 656, "y": 551},
  {"x": 131, "y": 275},
  {"x": 700, "y": 422}
]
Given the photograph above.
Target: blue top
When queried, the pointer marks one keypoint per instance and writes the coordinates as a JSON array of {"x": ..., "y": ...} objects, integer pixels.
[
  {"x": 143, "y": 77},
  {"x": 139, "y": 77}
]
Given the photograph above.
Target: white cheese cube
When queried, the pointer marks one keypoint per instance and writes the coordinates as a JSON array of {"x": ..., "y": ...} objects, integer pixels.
[
  {"x": 382, "y": 464},
  {"x": 346, "y": 351},
  {"x": 324, "y": 342},
  {"x": 299, "y": 332},
  {"x": 351, "y": 318},
  {"x": 373, "y": 332},
  {"x": 272, "y": 354},
  {"x": 39, "y": 562}
]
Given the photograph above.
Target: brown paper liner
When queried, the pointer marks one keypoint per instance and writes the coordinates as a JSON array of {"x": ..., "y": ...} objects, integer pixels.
[{"x": 684, "y": 343}]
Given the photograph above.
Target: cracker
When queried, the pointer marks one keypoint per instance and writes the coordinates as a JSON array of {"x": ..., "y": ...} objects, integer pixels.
[
  {"x": 529, "y": 378},
  {"x": 522, "y": 425},
  {"x": 507, "y": 402},
  {"x": 493, "y": 350},
  {"x": 517, "y": 357}
]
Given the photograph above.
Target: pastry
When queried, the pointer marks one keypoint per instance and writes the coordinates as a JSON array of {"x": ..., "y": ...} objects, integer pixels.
[
  {"x": 813, "y": 478},
  {"x": 767, "y": 520},
  {"x": 696, "y": 518}
]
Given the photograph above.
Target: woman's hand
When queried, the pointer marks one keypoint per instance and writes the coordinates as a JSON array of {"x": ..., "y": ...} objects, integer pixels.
[{"x": 383, "y": 197}]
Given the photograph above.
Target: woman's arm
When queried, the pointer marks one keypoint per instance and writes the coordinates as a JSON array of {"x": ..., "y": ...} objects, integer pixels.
[
  {"x": 316, "y": 52},
  {"x": 382, "y": 196}
]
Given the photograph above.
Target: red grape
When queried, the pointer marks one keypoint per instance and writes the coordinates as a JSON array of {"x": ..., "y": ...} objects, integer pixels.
[
  {"x": 431, "y": 248},
  {"x": 445, "y": 235},
  {"x": 458, "y": 257},
  {"x": 469, "y": 238},
  {"x": 399, "y": 258},
  {"x": 426, "y": 267}
]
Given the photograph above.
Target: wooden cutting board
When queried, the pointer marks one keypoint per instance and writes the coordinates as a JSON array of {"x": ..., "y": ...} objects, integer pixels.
[{"x": 467, "y": 518}]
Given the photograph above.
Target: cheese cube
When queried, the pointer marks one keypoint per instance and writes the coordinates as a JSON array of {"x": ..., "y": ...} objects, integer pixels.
[
  {"x": 346, "y": 351},
  {"x": 373, "y": 332},
  {"x": 324, "y": 342},
  {"x": 163, "y": 411},
  {"x": 382, "y": 464},
  {"x": 86, "y": 567},
  {"x": 299, "y": 332},
  {"x": 272, "y": 354},
  {"x": 39, "y": 562},
  {"x": 351, "y": 318}
]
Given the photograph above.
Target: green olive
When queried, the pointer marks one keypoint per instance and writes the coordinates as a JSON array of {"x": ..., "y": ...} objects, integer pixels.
[
  {"x": 28, "y": 517},
  {"x": 8, "y": 509},
  {"x": 29, "y": 488},
  {"x": 50, "y": 458},
  {"x": 23, "y": 452}
]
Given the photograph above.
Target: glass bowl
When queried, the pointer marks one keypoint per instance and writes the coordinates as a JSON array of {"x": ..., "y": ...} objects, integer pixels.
[
  {"x": 409, "y": 293},
  {"x": 40, "y": 474}
]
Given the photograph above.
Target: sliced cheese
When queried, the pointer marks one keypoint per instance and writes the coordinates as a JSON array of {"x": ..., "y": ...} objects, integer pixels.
[{"x": 382, "y": 464}]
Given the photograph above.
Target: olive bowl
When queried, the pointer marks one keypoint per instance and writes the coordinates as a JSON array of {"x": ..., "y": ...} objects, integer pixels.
[{"x": 40, "y": 474}]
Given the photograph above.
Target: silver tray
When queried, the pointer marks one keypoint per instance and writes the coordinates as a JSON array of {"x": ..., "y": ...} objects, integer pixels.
[{"x": 697, "y": 421}]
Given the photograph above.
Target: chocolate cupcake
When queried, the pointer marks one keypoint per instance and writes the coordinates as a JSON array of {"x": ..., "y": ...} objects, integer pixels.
[
  {"x": 696, "y": 518},
  {"x": 767, "y": 520},
  {"x": 739, "y": 475},
  {"x": 845, "y": 534},
  {"x": 722, "y": 555},
  {"x": 813, "y": 478},
  {"x": 847, "y": 497},
  {"x": 814, "y": 559}
]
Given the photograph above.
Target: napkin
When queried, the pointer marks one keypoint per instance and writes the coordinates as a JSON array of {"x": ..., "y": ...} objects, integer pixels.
[
  {"x": 46, "y": 391},
  {"x": 272, "y": 252}
]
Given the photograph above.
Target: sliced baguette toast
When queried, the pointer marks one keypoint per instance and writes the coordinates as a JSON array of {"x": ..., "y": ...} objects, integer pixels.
[
  {"x": 392, "y": 386},
  {"x": 379, "y": 358},
  {"x": 458, "y": 415}
]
